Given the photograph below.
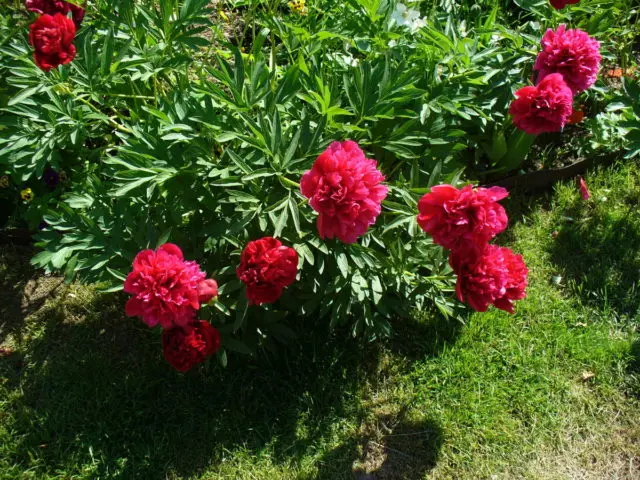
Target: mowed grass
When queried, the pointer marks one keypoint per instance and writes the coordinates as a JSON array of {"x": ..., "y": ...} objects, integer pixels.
[{"x": 551, "y": 392}]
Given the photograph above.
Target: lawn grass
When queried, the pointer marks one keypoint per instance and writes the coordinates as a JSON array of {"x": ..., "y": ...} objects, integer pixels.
[{"x": 551, "y": 392}]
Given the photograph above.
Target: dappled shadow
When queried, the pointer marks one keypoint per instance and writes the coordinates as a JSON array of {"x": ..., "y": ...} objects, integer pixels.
[
  {"x": 22, "y": 290},
  {"x": 388, "y": 448},
  {"x": 96, "y": 392},
  {"x": 598, "y": 254}
]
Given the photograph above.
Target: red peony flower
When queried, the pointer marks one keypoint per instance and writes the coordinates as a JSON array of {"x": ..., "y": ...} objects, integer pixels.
[
  {"x": 52, "y": 37},
  {"x": 544, "y": 108},
  {"x": 560, "y": 4},
  {"x": 207, "y": 290},
  {"x": 497, "y": 276},
  {"x": 51, "y": 7},
  {"x": 189, "y": 345},
  {"x": 166, "y": 289},
  {"x": 584, "y": 190},
  {"x": 571, "y": 53},
  {"x": 455, "y": 217},
  {"x": 346, "y": 189},
  {"x": 266, "y": 267}
]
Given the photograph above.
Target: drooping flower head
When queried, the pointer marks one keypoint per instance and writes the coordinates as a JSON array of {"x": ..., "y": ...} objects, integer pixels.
[
  {"x": 166, "y": 289},
  {"x": 571, "y": 53},
  {"x": 544, "y": 108},
  {"x": 467, "y": 216},
  {"x": 184, "y": 347},
  {"x": 346, "y": 189},
  {"x": 50, "y": 177},
  {"x": 495, "y": 277},
  {"x": 560, "y": 4},
  {"x": 266, "y": 268},
  {"x": 52, "y": 38},
  {"x": 584, "y": 190},
  {"x": 51, "y": 7}
]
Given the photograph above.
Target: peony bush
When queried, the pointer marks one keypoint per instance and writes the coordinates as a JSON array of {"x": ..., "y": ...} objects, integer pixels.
[{"x": 307, "y": 157}]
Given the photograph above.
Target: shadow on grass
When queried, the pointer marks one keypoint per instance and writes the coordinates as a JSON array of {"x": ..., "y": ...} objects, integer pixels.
[
  {"x": 633, "y": 369},
  {"x": 598, "y": 253},
  {"x": 94, "y": 397},
  {"x": 22, "y": 290},
  {"x": 392, "y": 449}
]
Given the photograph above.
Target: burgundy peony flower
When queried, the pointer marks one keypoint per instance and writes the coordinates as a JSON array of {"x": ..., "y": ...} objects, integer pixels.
[
  {"x": 266, "y": 267},
  {"x": 51, "y": 7},
  {"x": 571, "y": 53},
  {"x": 584, "y": 190},
  {"x": 497, "y": 277},
  {"x": 544, "y": 108},
  {"x": 166, "y": 289},
  {"x": 560, "y": 4},
  {"x": 468, "y": 216},
  {"x": 346, "y": 189},
  {"x": 189, "y": 345},
  {"x": 52, "y": 37}
]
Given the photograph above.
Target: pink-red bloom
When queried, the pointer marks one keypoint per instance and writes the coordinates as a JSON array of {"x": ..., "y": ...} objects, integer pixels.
[
  {"x": 52, "y": 38},
  {"x": 584, "y": 190},
  {"x": 186, "y": 346},
  {"x": 571, "y": 53},
  {"x": 346, "y": 190},
  {"x": 266, "y": 267},
  {"x": 207, "y": 290},
  {"x": 560, "y": 4},
  {"x": 51, "y": 7},
  {"x": 456, "y": 217},
  {"x": 544, "y": 108},
  {"x": 166, "y": 289},
  {"x": 496, "y": 277}
]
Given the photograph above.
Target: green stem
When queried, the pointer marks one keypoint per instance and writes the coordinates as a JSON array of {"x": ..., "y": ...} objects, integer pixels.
[{"x": 113, "y": 123}]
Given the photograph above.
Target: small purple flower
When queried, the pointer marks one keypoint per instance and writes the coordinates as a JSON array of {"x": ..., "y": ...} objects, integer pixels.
[{"x": 51, "y": 178}]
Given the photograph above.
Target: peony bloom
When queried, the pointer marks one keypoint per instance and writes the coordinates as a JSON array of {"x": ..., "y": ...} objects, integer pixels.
[
  {"x": 51, "y": 7},
  {"x": 467, "y": 216},
  {"x": 497, "y": 276},
  {"x": 207, "y": 290},
  {"x": 184, "y": 347},
  {"x": 346, "y": 189},
  {"x": 571, "y": 53},
  {"x": 560, "y": 4},
  {"x": 266, "y": 267},
  {"x": 52, "y": 38},
  {"x": 544, "y": 108},
  {"x": 166, "y": 289},
  {"x": 584, "y": 190}
]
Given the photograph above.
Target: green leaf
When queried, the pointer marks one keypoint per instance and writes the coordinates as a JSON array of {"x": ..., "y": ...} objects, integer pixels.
[{"x": 343, "y": 264}]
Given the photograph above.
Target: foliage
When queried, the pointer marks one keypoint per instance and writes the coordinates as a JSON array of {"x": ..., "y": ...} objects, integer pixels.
[{"x": 171, "y": 129}]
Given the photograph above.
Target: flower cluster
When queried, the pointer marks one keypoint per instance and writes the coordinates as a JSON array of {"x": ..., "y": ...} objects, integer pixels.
[
  {"x": 168, "y": 291},
  {"x": 53, "y": 32},
  {"x": 464, "y": 221},
  {"x": 567, "y": 65}
]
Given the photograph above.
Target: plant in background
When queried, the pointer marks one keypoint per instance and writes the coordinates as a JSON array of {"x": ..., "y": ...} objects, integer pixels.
[{"x": 170, "y": 133}]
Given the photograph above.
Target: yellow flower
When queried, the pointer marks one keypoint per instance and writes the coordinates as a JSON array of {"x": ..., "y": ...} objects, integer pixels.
[
  {"x": 223, "y": 15},
  {"x": 298, "y": 6},
  {"x": 26, "y": 194},
  {"x": 4, "y": 181}
]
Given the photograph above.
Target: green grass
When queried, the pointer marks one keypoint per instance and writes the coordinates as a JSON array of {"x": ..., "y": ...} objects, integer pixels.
[{"x": 85, "y": 393}]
